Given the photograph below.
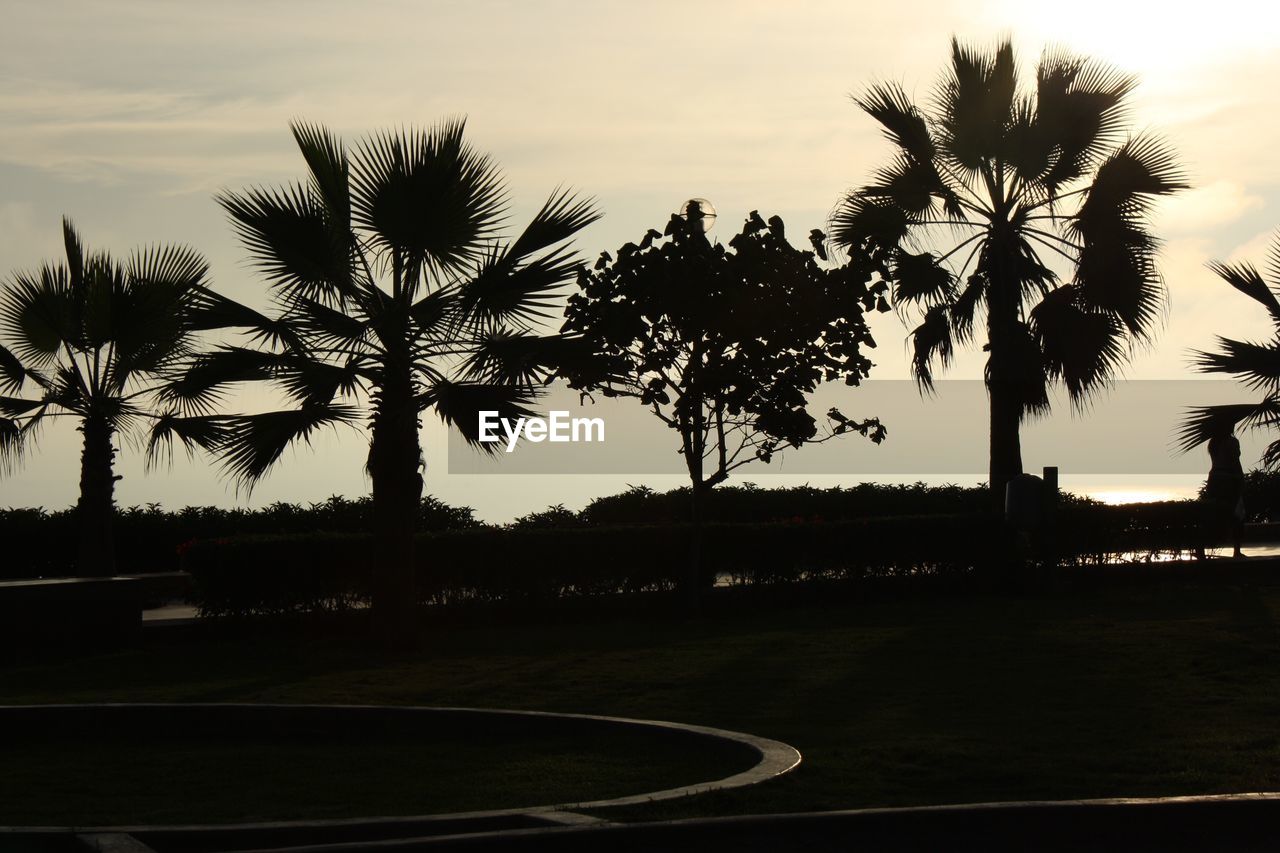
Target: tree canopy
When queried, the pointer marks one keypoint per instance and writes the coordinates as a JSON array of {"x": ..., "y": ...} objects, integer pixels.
[
  {"x": 1008, "y": 175},
  {"x": 724, "y": 345}
]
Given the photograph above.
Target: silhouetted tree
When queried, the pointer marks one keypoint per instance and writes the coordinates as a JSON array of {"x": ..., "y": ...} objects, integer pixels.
[
  {"x": 1256, "y": 364},
  {"x": 97, "y": 341},
  {"x": 723, "y": 346},
  {"x": 395, "y": 296},
  {"x": 1002, "y": 172}
]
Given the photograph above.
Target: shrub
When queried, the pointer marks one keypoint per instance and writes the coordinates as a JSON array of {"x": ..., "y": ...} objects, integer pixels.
[
  {"x": 282, "y": 574},
  {"x": 1097, "y": 533},
  {"x": 40, "y": 543},
  {"x": 533, "y": 563},
  {"x": 642, "y": 505}
]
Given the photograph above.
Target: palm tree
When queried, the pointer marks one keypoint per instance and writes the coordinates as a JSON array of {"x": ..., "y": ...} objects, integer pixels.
[
  {"x": 97, "y": 342},
  {"x": 1003, "y": 172},
  {"x": 395, "y": 296},
  {"x": 1256, "y": 364}
]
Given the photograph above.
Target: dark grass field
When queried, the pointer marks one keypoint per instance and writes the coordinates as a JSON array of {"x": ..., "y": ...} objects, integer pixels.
[
  {"x": 1161, "y": 690},
  {"x": 243, "y": 776}
]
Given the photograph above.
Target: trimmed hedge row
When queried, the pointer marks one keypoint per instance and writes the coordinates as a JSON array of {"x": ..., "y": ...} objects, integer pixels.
[
  {"x": 39, "y": 543},
  {"x": 331, "y": 571},
  {"x": 283, "y": 574},
  {"x": 1133, "y": 532}
]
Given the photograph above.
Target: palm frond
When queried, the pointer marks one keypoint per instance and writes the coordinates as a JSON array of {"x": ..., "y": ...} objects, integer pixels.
[
  {"x": 201, "y": 384},
  {"x": 209, "y": 310},
  {"x": 1116, "y": 267},
  {"x": 151, "y": 323},
  {"x": 74, "y": 249},
  {"x": 1082, "y": 348},
  {"x": 12, "y": 374},
  {"x": 1127, "y": 183},
  {"x": 511, "y": 358},
  {"x": 1029, "y": 150},
  {"x": 11, "y": 444},
  {"x": 1080, "y": 112},
  {"x": 1026, "y": 372},
  {"x": 1258, "y": 365},
  {"x": 931, "y": 340},
  {"x": 38, "y": 315},
  {"x": 203, "y": 432},
  {"x": 1116, "y": 271},
  {"x": 427, "y": 195},
  {"x": 251, "y": 444},
  {"x": 293, "y": 241},
  {"x": 459, "y": 405},
  {"x": 1204, "y": 422},
  {"x": 99, "y": 303},
  {"x": 861, "y": 221},
  {"x": 312, "y": 382},
  {"x": 908, "y": 184},
  {"x": 976, "y": 104},
  {"x": 436, "y": 308},
  {"x": 174, "y": 268},
  {"x": 507, "y": 291},
  {"x": 562, "y": 216},
  {"x": 346, "y": 331},
  {"x": 920, "y": 278},
  {"x": 965, "y": 308},
  {"x": 13, "y": 407},
  {"x": 330, "y": 172},
  {"x": 1245, "y": 278},
  {"x": 902, "y": 123}
]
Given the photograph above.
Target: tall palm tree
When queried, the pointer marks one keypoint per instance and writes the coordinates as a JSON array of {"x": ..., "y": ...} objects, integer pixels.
[
  {"x": 1012, "y": 178},
  {"x": 97, "y": 342},
  {"x": 1256, "y": 364},
  {"x": 395, "y": 296}
]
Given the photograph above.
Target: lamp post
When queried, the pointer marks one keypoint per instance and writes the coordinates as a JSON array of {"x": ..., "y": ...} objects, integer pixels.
[{"x": 699, "y": 210}]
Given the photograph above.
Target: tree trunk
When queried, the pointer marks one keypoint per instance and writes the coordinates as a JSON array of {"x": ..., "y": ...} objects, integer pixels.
[
  {"x": 1002, "y": 375},
  {"x": 394, "y": 457},
  {"x": 96, "y": 506},
  {"x": 694, "y": 580},
  {"x": 1006, "y": 444}
]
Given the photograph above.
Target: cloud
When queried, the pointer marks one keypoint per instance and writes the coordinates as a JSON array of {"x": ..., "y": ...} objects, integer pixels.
[
  {"x": 1258, "y": 250},
  {"x": 1204, "y": 208}
]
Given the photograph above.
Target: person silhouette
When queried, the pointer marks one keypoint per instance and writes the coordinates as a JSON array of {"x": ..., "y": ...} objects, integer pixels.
[{"x": 1224, "y": 490}]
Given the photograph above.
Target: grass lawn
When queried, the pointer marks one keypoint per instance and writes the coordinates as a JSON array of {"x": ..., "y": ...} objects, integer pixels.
[
  {"x": 105, "y": 778},
  {"x": 1168, "y": 689}
]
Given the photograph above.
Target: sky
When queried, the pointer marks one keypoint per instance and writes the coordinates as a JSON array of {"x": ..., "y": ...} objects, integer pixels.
[{"x": 128, "y": 116}]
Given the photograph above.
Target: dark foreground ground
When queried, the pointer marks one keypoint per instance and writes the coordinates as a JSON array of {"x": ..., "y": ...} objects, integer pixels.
[{"x": 1168, "y": 689}]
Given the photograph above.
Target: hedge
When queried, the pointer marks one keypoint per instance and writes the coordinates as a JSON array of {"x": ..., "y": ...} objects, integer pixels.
[
  {"x": 282, "y": 574},
  {"x": 330, "y": 571},
  {"x": 40, "y": 543}
]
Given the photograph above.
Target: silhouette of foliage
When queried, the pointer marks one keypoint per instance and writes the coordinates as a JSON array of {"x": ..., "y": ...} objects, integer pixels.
[
  {"x": 149, "y": 538},
  {"x": 1013, "y": 178},
  {"x": 396, "y": 295},
  {"x": 722, "y": 345},
  {"x": 532, "y": 565},
  {"x": 98, "y": 342},
  {"x": 1256, "y": 364}
]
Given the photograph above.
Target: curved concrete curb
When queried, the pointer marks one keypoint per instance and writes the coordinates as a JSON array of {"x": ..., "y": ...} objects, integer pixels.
[
  {"x": 775, "y": 759},
  {"x": 1230, "y": 823}
]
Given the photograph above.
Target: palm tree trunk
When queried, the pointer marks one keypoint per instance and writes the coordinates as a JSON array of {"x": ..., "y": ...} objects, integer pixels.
[
  {"x": 96, "y": 506},
  {"x": 1005, "y": 459},
  {"x": 394, "y": 457},
  {"x": 1006, "y": 444}
]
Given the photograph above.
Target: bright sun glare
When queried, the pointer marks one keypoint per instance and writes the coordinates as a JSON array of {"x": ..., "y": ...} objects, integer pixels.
[{"x": 1150, "y": 38}]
